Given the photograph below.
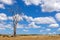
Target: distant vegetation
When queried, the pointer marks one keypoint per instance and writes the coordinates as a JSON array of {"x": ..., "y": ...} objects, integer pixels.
[
  {"x": 8, "y": 35},
  {"x": 30, "y": 37}
]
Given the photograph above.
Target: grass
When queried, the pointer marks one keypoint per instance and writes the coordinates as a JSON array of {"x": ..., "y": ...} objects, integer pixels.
[{"x": 30, "y": 37}]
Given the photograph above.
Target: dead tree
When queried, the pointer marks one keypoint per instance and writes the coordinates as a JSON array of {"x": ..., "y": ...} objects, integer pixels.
[
  {"x": 15, "y": 24},
  {"x": 15, "y": 18}
]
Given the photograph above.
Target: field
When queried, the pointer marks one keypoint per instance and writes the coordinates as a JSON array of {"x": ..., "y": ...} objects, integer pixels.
[{"x": 41, "y": 37}]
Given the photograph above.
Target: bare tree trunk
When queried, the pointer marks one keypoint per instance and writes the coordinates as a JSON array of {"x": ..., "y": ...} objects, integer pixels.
[
  {"x": 15, "y": 24},
  {"x": 15, "y": 30}
]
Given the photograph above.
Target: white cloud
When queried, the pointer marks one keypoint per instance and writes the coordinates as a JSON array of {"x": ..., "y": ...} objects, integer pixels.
[
  {"x": 54, "y": 25},
  {"x": 57, "y": 16},
  {"x": 47, "y": 5},
  {"x": 3, "y": 16},
  {"x": 9, "y": 2},
  {"x": 45, "y": 30},
  {"x": 20, "y": 25},
  {"x": 33, "y": 25},
  {"x": 25, "y": 30},
  {"x": 44, "y": 20},
  {"x": 2, "y": 28},
  {"x": 32, "y": 21},
  {"x": 28, "y": 18},
  {"x": 51, "y": 5},
  {"x": 2, "y": 25},
  {"x": 49, "y": 33},
  {"x": 2, "y": 6},
  {"x": 52, "y": 33},
  {"x": 48, "y": 29},
  {"x": 16, "y": 17},
  {"x": 58, "y": 29},
  {"x": 35, "y": 2},
  {"x": 42, "y": 30},
  {"x": 40, "y": 20},
  {"x": 10, "y": 18},
  {"x": 8, "y": 26}
]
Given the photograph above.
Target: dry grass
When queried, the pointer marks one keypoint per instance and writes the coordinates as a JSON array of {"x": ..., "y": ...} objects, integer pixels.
[{"x": 30, "y": 38}]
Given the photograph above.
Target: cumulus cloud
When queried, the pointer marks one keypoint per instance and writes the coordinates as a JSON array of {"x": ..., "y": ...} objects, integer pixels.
[
  {"x": 54, "y": 25},
  {"x": 58, "y": 29},
  {"x": 42, "y": 30},
  {"x": 44, "y": 20},
  {"x": 8, "y": 26},
  {"x": 49, "y": 33},
  {"x": 15, "y": 17},
  {"x": 33, "y": 25},
  {"x": 9, "y": 2},
  {"x": 57, "y": 16},
  {"x": 52, "y": 33},
  {"x": 32, "y": 21},
  {"x": 4, "y": 26},
  {"x": 2, "y": 6},
  {"x": 3, "y": 16},
  {"x": 48, "y": 29},
  {"x": 35, "y": 2},
  {"x": 47, "y": 5},
  {"x": 50, "y": 5},
  {"x": 45, "y": 30},
  {"x": 10, "y": 18},
  {"x": 28, "y": 18},
  {"x": 20, "y": 25},
  {"x": 25, "y": 30},
  {"x": 40, "y": 20}
]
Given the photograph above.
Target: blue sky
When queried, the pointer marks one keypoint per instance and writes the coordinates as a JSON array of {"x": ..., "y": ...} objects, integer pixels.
[{"x": 34, "y": 16}]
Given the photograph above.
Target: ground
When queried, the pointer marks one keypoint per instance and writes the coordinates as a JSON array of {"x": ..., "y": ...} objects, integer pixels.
[{"x": 30, "y": 37}]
